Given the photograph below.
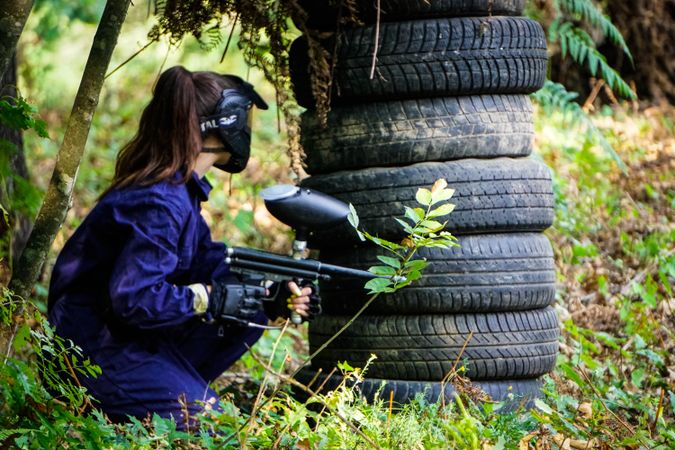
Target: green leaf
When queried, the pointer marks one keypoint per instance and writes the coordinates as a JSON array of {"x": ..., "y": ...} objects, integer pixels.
[
  {"x": 413, "y": 275},
  {"x": 441, "y": 195},
  {"x": 344, "y": 366},
  {"x": 378, "y": 285},
  {"x": 637, "y": 376},
  {"x": 406, "y": 227},
  {"x": 543, "y": 406},
  {"x": 388, "y": 260},
  {"x": 21, "y": 337},
  {"x": 442, "y": 210},
  {"x": 432, "y": 225},
  {"x": 653, "y": 357},
  {"x": 414, "y": 214},
  {"x": 353, "y": 217},
  {"x": 382, "y": 270},
  {"x": 571, "y": 374},
  {"x": 423, "y": 196},
  {"x": 416, "y": 264},
  {"x": 383, "y": 242}
]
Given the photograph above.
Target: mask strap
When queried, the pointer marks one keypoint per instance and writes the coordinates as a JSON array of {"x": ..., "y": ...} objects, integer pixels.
[{"x": 215, "y": 149}]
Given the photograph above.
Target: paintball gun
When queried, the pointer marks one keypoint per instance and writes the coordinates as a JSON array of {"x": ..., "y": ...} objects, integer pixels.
[{"x": 303, "y": 210}]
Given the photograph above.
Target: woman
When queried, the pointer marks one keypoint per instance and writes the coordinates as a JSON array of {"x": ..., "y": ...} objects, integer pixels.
[{"x": 140, "y": 286}]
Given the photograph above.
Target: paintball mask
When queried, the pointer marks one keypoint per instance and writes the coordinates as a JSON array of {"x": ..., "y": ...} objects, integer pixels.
[{"x": 230, "y": 121}]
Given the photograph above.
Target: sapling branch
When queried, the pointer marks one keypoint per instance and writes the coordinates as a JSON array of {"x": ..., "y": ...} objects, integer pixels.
[{"x": 418, "y": 236}]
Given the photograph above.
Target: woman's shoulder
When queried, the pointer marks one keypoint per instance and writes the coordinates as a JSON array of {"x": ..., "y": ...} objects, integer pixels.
[{"x": 164, "y": 194}]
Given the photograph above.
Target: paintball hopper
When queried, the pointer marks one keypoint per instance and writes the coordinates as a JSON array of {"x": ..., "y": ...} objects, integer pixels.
[{"x": 303, "y": 209}]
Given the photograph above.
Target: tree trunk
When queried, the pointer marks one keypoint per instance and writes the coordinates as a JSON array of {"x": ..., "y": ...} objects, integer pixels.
[
  {"x": 57, "y": 199},
  {"x": 19, "y": 224},
  {"x": 13, "y": 16},
  {"x": 648, "y": 26}
]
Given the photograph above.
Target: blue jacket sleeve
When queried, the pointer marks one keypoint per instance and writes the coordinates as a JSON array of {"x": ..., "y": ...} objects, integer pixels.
[
  {"x": 139, "y": 291},
  {"x": 209, "y": 261}
]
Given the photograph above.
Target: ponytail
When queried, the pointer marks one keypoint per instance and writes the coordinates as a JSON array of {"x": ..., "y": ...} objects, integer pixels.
[{"x": 168, "y": 139}]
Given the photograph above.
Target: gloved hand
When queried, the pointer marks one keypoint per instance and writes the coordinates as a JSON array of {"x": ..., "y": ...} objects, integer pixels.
[
  {"x": 235, "y": 302},
  {"x": 283, "y": 300}
]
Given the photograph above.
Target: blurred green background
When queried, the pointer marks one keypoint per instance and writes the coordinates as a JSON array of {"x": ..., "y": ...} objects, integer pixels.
[{"x": 52, "y": 53}]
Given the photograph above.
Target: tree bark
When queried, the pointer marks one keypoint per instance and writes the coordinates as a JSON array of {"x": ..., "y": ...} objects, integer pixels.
[
  {"x": 13, "y": 16},
  {"x": 13, "y": 238},
  {"x": 57, "y": 199},
  {"x": 648, "y": 26}
]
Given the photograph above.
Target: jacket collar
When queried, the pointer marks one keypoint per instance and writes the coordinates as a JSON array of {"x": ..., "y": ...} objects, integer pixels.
[{"x": 199, "y": 186}]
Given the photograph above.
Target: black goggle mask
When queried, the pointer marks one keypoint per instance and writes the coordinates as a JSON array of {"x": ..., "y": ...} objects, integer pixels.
[{"x": 230, "y": 121}]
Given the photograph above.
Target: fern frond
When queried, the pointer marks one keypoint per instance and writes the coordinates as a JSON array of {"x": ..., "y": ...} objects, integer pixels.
[
  {"x": 588, "y": 12},
  {"x": 580, "y": 46},
  {"x": 554, "y": 96}
]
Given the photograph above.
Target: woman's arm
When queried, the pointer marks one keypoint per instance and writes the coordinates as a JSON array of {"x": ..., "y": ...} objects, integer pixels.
[
  {"x": 209, "y": 261},
  {"x": 139, "y": 291}
]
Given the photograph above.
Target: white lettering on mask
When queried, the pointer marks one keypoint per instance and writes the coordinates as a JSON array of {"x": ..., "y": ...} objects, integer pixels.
[{"x": 227, "y": 121}]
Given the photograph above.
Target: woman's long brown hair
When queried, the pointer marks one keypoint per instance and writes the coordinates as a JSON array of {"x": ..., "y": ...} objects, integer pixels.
[{"x": 168, "y": 139}]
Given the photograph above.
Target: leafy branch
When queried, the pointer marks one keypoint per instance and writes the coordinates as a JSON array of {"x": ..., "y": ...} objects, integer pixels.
[
  {"x": 571, "y": 20},
  {"x": 580, "y": 46},
  {"x": 422, "y": 231},
  {"x": 587, "y": 11},
  {"x": 554, "y": 96},
  {"x": 401, "y": 269}
]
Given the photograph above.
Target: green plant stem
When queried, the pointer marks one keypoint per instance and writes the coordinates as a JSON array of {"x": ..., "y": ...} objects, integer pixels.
[
  {"x": 405, "y": 259},
  {"x": 294, "y": 382},
  {"x": 265, "y": 378},
  {"x": 616, "y": 416}
]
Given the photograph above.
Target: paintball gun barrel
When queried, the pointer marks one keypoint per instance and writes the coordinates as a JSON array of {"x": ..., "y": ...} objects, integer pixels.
[
  {"x": 282, "y": 267},
  {"x": 304, "y": 210}
]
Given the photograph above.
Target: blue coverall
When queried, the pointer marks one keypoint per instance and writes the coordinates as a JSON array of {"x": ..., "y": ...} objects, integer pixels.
[{"x": 119, "y": 291}]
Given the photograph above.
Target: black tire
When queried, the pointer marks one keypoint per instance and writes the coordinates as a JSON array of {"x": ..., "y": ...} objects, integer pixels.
[
  {"x": 323, "y": 14},
  {"x": 486, "y": 273},
  {"x": 492, "y": 195},
  {"x": 514, "y": 393},
  {"x": 404, "y": 132},
  {"x": 519, "y": 344},
  {"x": 431, "y": 58}
]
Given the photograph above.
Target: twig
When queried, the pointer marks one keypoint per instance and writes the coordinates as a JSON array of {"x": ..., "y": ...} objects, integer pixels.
[
  {"x": 22, "y": 304},
  {"x": 281, "y": 436},
  {"x": 229, "y": 38},
  {"x": 316, "y": 427},
  {"x": 391, "y": 407},
  {"x": 152, "y": 41},
  {"x": 588, "y": 104},
  {"x": 652, "y": 429},
  {"x": 77, "y": 380},
  {"x": 330, "y": 374},
  {"x": 166, "y": 57},
  {"x": 451, "y": 372},
  {"x": 610, "y": 94},
  {"x": 602, "y": 402},
  {"x": 296, "y": 383},
  {"x": 264, "y": 381},
  {"x": 377, "y": 41}
]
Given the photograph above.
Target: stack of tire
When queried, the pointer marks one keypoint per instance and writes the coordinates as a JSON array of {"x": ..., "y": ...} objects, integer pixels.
[{"x": 449, "y": 99}]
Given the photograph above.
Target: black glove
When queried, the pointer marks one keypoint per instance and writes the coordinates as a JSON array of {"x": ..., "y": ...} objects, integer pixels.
[
  {"x": 276, "y": 305},
  {"x": 235, "y": 302}
]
